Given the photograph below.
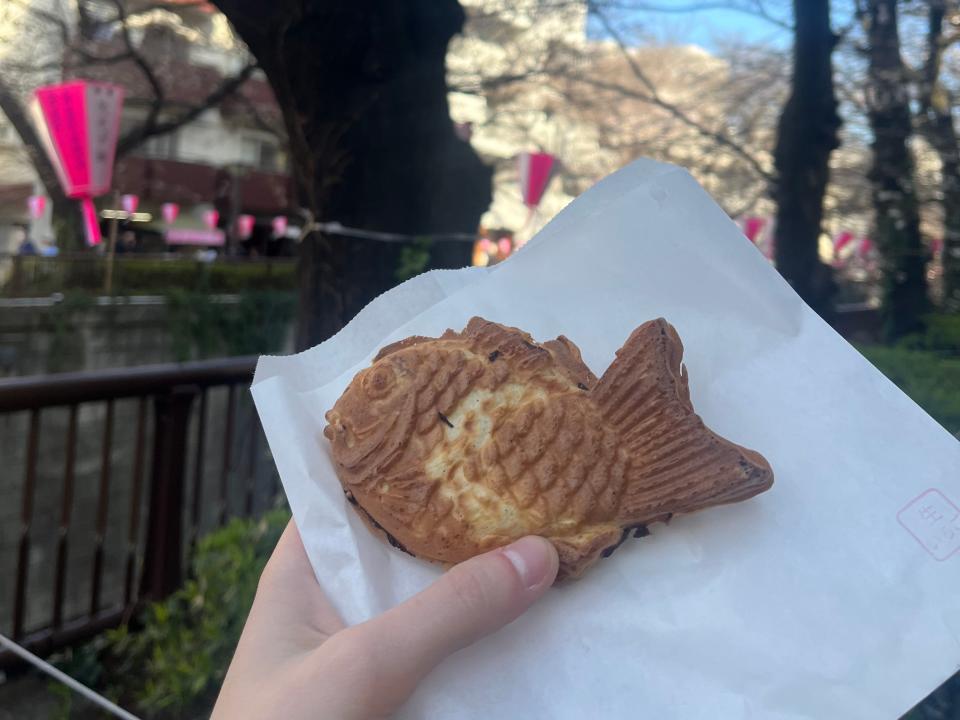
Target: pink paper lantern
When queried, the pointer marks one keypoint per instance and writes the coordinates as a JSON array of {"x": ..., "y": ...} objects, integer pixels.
[
  {"x": 752, "y": 227},
  {"x": 504, "y": 246},
  {"x": 534, "y": 176},
  {"x": 279, "y": 225},
  {"x": 36, "y": 204},
  {"x": 487, "y": 246},
  {"x": 170, "y": 211},
  {"x": 78, "y": 123},
  {"x": 211, "y": 218},
  {"x": 244, "y": 226},
  {"x": 842, "y": 240},
  {"x": 129, "y": 203}
]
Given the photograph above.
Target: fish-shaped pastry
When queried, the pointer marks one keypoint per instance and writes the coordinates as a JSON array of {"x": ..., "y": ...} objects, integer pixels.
[{"x": 455, "y": 445}]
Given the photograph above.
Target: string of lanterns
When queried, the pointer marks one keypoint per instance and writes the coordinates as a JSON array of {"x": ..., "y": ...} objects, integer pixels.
[{"x": 79, "y": 122}]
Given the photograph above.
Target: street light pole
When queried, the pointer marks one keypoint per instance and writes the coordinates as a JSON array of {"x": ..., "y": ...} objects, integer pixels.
[{"x": 112, "y": 245}]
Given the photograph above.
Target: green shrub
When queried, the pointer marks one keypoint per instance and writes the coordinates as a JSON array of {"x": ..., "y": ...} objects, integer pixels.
[
  {"x": 65, "y": 342},
  {"x": 172, "y": 663},
  {"x": 132, "y": 275},
  {"x": 414, "y": 258},
  {"x": 931, "y": 380},
  {"x": 942, "y": 336},
  {"x": 157, "y": 276},
  {"x": 201, "y": 327}
]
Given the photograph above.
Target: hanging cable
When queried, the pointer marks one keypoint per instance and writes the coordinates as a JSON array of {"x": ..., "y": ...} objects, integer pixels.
[
  {"x": 59, "y": 676},
  {"x": 336, "y": 228}
]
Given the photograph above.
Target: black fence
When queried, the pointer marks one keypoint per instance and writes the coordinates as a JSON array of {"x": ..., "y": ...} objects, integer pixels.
[{"x": 179, "y": 451}]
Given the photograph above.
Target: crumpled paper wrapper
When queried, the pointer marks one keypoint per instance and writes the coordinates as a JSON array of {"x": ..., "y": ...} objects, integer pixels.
[{"x": 835, "y": 594}]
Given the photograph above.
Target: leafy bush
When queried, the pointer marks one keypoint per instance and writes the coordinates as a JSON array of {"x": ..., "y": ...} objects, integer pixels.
[
  {"x": 942, "y": 336},
  {"x": 135, "y": 275},
  {"x": 414, "y": 258},
  {"x": 200, "y": 327},
  {"x": 41, "y": 276},
  {"x": 942, "y": 704},
  {"x": 932, "y": 381},
  {"x": 172, "y": 663}
]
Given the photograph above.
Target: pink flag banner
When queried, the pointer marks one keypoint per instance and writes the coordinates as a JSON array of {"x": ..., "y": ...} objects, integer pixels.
[
  {"x": 752, "y": 227},
  {"x": 534, "y": 175}
]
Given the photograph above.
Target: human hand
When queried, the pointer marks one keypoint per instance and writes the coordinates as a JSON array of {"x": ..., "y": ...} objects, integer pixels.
[{"x": 296, "y": 658}]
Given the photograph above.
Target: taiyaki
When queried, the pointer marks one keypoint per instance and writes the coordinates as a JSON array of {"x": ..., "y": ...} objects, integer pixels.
[{"x": 455, "y": 445}]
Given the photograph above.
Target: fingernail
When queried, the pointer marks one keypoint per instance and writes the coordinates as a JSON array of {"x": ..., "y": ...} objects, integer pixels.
[{"x": 531, "y": 557}]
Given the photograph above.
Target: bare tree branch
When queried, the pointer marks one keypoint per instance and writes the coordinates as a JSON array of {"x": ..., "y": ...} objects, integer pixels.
[
  {"x": 756, "y": 9},
  {"x": 654, "y": 98},
  {"x": 147, "y": 130},
  {"x": 140, "y": 61},
  {"x": 13, "y": 109},
  {"x": 49, "y": 17},
  {"x": 258, "y": 119}
]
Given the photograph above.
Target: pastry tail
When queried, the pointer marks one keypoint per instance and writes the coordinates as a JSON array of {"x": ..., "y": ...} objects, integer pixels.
[{"x": 677, "y": 464}]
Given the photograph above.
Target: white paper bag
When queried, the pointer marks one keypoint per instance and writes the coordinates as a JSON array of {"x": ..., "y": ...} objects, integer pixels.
[{"x": 834, "y": 595}]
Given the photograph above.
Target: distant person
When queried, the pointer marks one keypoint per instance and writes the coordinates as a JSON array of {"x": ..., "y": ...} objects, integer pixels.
[
  {"x": 27, "y": 247},
  {"x": 127, "y": 243}
]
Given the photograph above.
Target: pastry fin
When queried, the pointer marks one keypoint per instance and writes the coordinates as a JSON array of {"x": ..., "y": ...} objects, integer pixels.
[{"x": 677, "y": 464}]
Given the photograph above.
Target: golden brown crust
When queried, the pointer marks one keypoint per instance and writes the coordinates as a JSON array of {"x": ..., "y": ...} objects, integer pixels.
[{"x": 456, "y": 445}]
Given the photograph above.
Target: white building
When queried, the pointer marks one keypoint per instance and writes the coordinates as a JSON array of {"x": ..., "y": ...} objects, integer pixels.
[{"x": 191, "y": 51}]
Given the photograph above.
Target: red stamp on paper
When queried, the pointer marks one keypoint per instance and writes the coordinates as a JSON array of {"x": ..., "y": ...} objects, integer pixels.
[{"x": 934, "y": 521}]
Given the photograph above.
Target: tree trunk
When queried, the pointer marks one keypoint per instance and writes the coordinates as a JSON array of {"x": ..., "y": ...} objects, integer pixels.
[
  {"x": 935, "y": 121},
  {"x": 892, "y": 176},
  {"x": 806, "y": 135},
  {"x": 11, "y": 106},
  {"x": 362, "y": 87},
  {"x": 67, "y": 222}
]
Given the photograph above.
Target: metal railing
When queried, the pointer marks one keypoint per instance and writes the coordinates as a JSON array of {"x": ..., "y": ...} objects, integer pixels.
[{"x": 171, "y": 430}]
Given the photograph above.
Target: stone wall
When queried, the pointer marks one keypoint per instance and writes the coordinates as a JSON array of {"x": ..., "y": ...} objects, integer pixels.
[{"x": 46, "y": 335}]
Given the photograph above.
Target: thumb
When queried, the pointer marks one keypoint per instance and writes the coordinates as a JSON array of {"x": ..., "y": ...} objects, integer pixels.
[{"x": 470, "y": 601}]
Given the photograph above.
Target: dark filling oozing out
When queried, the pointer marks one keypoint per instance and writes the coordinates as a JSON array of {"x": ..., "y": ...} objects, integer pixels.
[
  {"x": 638, "y": 532},
  {"x": 493, "y": 356},
  {"x": 445, "y": 419},
  {"x": 390, "y": 538}
]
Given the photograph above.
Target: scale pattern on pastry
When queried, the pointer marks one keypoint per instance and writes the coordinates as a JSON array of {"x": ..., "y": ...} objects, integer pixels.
[{"x": 452, "y": 446}]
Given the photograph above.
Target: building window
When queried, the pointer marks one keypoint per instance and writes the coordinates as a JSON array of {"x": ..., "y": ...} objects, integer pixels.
[
  {"x": 268, "y": 156},
  {"x": 261, "y": 153},
  {"x": 163, "y": 147}
]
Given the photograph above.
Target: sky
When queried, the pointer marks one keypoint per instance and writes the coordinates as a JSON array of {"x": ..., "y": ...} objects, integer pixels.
[{"x": 706, "y": 28}]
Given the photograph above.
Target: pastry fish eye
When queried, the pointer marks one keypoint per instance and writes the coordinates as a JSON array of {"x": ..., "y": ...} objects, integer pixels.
[{"x": 379, "y": 381}]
